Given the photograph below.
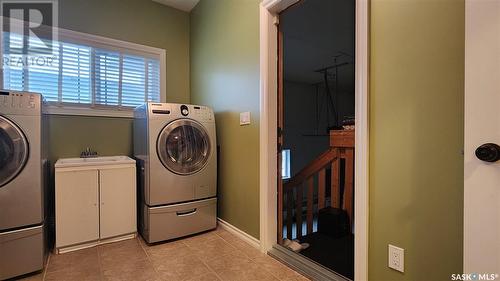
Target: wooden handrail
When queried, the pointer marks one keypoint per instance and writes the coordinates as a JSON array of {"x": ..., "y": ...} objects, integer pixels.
[
  {"x": 314, "y": 177},
  {"x": 312, "y": 168}
]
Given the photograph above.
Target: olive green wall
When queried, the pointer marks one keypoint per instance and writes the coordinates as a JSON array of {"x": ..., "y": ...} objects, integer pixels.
[
  {"x": 225, "y": 76},
  {"x": 69, "y": 135},
  {"x": 416, "y": 137},
  {"x": 138, "y": 21}
]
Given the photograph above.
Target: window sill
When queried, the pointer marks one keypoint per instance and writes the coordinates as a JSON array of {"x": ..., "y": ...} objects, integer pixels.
[{"x": 86, "y": 111}]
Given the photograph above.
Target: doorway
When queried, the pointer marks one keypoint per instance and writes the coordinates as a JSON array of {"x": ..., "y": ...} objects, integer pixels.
[
  {"x": 269, "y": 12},
  {"x": 316, "y": 125}
]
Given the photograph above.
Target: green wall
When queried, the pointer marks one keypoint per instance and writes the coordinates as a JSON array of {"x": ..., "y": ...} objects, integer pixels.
[
  {"x": 416, "y": 137},
  {"x": 69, "y": 135},
  {"x": 137, "y": 21},
  {"x": 225, "y": 76}
]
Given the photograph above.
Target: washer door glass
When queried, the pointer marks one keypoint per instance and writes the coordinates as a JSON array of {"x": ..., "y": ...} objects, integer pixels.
[
  {"x": 183, "y": 147},
  {"x": 13, "y": 151}
]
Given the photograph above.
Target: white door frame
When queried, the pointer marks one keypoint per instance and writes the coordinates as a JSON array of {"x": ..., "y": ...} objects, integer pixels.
[{"x": 268, "y": 129}]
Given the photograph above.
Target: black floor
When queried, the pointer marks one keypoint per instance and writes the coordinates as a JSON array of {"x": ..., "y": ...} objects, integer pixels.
[{"x": 336, "y": 254}]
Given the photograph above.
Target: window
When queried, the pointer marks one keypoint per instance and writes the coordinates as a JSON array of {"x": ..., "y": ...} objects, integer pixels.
[
  {"x": 89, "y": 74},
  {"x": 285, "y": 164}
]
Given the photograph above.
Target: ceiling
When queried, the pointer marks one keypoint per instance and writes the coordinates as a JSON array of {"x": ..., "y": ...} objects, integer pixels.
[
  {"x": 315, "y": 33},
  {"x": 184, "y": 5}
]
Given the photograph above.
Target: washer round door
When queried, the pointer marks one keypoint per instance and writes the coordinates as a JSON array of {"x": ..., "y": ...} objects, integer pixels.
[
  {"x": 184, "y": 147},
  {"x": 13, "y": 151}
]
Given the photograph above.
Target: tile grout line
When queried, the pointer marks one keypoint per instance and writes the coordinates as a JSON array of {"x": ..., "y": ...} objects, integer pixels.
[
  {"x": 228, "y": 242},
  {"x": 245, "y": 254},
  {"x": 281, "y": 265},
  {"x": 205, "y": 263},
  {"x": 46, "y": 267},
  {"x": 101, "y": 271},
  {"x": 211, "y": 269},
  {"x": 147, "y": 255},
  {"x": 185, "y": 245},
  {"x": 253, "y": 259}
]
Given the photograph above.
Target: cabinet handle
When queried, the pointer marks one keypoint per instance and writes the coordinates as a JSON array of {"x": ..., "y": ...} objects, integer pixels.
[{"x": 186, "y": 213}]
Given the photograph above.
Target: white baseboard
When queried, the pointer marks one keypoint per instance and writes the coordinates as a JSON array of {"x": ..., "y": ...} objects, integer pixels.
[
  {"x": 67, "y": 249},
  {"x": 239, "y": 233}
]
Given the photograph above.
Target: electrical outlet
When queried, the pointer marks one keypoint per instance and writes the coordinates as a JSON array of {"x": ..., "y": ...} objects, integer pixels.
[{"x": 396, "y": 258}]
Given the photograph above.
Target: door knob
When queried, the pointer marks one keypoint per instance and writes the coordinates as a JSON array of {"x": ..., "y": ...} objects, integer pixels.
[{"x": 489, "y": 152}]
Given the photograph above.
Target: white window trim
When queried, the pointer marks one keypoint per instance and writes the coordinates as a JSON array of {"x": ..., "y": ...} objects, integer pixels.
[
  {"x": 75, "y": 37},
  {"x": 52, "y": 109}
]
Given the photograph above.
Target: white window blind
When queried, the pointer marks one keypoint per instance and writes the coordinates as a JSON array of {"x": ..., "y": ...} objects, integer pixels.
[
  {"x": 75, "y": 74},
  {"x": 107, "y": 77},
  {"x": 87, "y": 74},
  {"x": 133, "y": 78}
]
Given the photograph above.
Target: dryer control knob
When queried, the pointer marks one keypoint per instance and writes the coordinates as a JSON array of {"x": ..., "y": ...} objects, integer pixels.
[{"x": 184, "y": 110}]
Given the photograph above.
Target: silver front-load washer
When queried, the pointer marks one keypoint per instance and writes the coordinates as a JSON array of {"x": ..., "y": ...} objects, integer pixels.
[
  {"x": 22, "y": 181},
  {"x": 175, "y": 145}
]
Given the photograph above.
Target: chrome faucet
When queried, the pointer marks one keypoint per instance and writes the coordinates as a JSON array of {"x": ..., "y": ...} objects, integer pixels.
[{"x": 88, "y": 153}]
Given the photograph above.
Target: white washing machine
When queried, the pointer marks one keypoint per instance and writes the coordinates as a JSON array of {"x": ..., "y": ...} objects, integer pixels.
[
  {"x": 175, "y": 147},
  {"x": 23, "y": 169}
]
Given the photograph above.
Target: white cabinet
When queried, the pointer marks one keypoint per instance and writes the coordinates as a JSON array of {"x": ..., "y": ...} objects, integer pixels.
[
  {"x": 118, "y": 203},
  {"x": 77, "y": 197},
  {"x": 95, "y": 202}
]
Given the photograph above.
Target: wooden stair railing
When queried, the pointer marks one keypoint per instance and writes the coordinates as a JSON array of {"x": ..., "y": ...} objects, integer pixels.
[{"x": 341, "y": 147}]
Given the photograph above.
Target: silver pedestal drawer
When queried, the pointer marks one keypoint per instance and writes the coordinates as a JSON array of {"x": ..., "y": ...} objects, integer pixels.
[
  {"x": 22, "y": 251},
  {"x": 174, "y": 221}
]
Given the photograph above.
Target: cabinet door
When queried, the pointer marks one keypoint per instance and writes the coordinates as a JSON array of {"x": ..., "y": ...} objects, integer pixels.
[
  {"x": 77, "y": 208},
  {"x": 118, "y": 202}
]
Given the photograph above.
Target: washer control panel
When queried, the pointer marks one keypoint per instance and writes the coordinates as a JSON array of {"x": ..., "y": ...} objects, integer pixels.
[
  {"x": 13, "y": 102},
  {"x": 174, "y": 111},
  {"x": 203, "y": 113}
]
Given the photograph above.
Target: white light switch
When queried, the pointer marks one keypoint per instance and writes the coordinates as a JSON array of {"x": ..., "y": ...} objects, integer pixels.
[
  {"x": 396, "y": 258},
  {"x": 244, "y": 118}
]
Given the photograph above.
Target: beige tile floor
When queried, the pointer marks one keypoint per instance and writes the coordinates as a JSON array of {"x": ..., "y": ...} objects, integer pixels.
[{"x": 215, "y": 255}]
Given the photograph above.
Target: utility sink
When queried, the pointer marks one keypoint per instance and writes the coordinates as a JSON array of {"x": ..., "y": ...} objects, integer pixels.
[{"x": 92, "y": 161}]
